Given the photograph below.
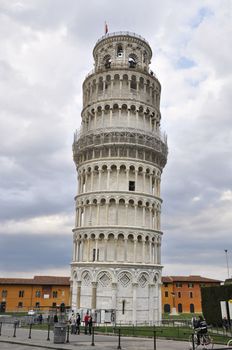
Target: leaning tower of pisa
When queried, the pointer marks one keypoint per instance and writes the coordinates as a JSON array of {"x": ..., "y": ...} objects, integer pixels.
[{"x": 119, "y": 153}]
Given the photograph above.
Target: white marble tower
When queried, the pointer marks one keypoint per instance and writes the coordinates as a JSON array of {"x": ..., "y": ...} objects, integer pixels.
[{"x": 119, "y": 154}]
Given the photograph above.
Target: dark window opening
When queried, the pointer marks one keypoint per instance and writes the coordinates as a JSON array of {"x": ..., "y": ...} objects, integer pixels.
[
  {"x": 180, "y": 309},
  {"x": 20, "y": 304},
  {"x": 167, "y": 308},
  {"x": 37, "y": 305},
  {"x": 192, "y": 309},
  {"x": 119, "y": 51},
  {"x": 37, "y": 294},
  {"x": 4, "y": 293},
  {"x": 95, "y": 255},
  {"x": 21, "y": 293},
  {"x": 132, "y": 62},
  {"x": 123, "y": 306},
  {"x": 131, "y": 185},
  {"x": 191, "y": 295},
  {"x": 166, "y": 294},
  {"x": 54, "y": 294}
]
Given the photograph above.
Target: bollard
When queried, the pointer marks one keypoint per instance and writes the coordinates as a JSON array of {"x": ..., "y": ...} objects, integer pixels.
[
  {"x": 15, "y": 323},
  {"x": 67, "y": 341},
  {"x": 48, "y": 338},
  {"x": 93, "y": 337},
  {"x": 193, "y": 344},
  {"x": 119, "y": 339},
  {"x": 0, "y": 328},
  {"x": 30, "y": 327},
  {"x": 154, "y": 337}
]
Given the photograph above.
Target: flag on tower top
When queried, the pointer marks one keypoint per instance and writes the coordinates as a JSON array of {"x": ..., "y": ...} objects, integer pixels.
[{"x": 106, "y": 28}]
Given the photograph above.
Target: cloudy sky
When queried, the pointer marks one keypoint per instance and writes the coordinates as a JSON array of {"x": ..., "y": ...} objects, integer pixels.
[{"x": 45, "y": 53}]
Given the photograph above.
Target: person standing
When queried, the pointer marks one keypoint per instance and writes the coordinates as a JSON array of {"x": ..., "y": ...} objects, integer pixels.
[
  {"x": 90, "y": 324},
  {"x": 86, "y": 322},
  {"x": 78, "y": 323}
]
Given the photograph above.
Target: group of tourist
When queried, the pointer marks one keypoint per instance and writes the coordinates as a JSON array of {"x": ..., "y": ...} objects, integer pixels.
[{"x": 75, "y": 323}]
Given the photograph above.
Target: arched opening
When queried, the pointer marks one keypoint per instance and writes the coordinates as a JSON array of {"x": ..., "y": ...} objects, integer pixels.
[
  {"x": 192, "y": 308},
  {"x": 167, "y": 308},
  {"x": 132, "y": 60},
  {"x": 119, "y": 50},
  {"x": 107, "y": 61},
  {"x": 180, "y": 308}
]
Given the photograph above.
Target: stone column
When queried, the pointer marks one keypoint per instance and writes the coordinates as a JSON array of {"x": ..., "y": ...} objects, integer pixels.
[
  {"x": 99, "y": 179},
  {"x": 91, "y": 180},
  {"x": 114, "y": 298},
  {"x": 125, "y": 249},
  {"x": 151, "y": 304},
  {"x": 78, "y": 294},
  {"x": 134, "y": 303},
  {"x": 115, "y": 249},
  {"x": 108, "y": 179},
  {"x": 105, "y": 249},
  {"x": 94, "y": 295},
  {"x": 135, "y": 250}
]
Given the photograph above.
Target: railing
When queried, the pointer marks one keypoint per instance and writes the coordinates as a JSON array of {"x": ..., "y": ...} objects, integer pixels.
[
  {"x": 158, "y": 135},
  {"x": 109, "y": 35},
  {"x": 120, "y": 65}
]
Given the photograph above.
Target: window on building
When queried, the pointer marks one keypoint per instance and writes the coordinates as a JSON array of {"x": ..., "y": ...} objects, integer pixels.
[
  {"x": 37, "y": 294},
  {"x": 119, "y": 51},
  {"x": 166, "y": 294},
  {"x": 62, "y": 293},
  {"x": 202, "y": 285},
  {"x": 21, "y": 293},
  {"x": 180, "y": 309},
  {"x": 20, "y": 304},
  {"x": 54, "y": 305},
  {"x": 179, "y": 294},
  {"x": 123, "y": 306},
  {"x": 192, "y": 308},
  {"x": 190, "y": 285},
  {"x": 191, "y": 295},
  {"x": 178, "y": 285},
  {"x": 95, "y": 255},
  {"x": 131, "y": 185},
  {"x": 166, "y": 285},
  {"x": 167, "y": 308},
  {"x": 4, "y": 293},
  {"x": 37, "y": 305},
  {"x": 54, "y": 294}
]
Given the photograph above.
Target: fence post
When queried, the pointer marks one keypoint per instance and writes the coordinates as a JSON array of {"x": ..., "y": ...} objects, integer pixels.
[
  {"x": 154, "y": 337},
  {"x": 0, "y": 328},
  {"x": 67, "y": 341},
  {"x": 15, "y": 323},
  {"x": 119, "y": 339},
  {"x": 30, "y": 326},
  {"x": 48, "y": 338},
  {"x": 193, "y": 344},
  {"x": 93, "y": 337}
]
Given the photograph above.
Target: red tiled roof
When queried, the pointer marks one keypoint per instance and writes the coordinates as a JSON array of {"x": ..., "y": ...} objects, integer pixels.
[
  {"x": 38, "y": 280},
  {"x": 191, "y": 278}
]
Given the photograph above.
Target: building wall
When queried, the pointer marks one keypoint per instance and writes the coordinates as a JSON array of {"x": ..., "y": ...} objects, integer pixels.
[
  {"x": 30, "y": 298},
  {"x": 181, "y": 295}
]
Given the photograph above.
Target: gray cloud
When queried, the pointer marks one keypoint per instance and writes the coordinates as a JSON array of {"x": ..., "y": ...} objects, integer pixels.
[{"x": 46, "y": 51}]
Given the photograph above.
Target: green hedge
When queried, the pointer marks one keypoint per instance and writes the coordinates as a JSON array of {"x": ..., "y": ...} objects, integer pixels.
[{"x": 211, "y": 297}]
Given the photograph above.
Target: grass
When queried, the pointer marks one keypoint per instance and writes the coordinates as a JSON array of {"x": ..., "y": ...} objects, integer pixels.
[{"x": 173, "y": 333}]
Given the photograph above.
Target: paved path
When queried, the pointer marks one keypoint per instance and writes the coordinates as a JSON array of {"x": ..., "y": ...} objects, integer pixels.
[{"x": 80, "y": 342}]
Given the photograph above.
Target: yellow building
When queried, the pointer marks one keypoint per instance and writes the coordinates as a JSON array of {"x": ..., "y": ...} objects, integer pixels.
[
  {"x": 44, "y": 292},
  {"x": 38, "y": 293},
  {"x": 183, "y": 293}
]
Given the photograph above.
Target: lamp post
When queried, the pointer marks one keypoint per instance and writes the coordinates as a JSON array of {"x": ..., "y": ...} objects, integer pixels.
[{"x": 227, "y": 263}]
